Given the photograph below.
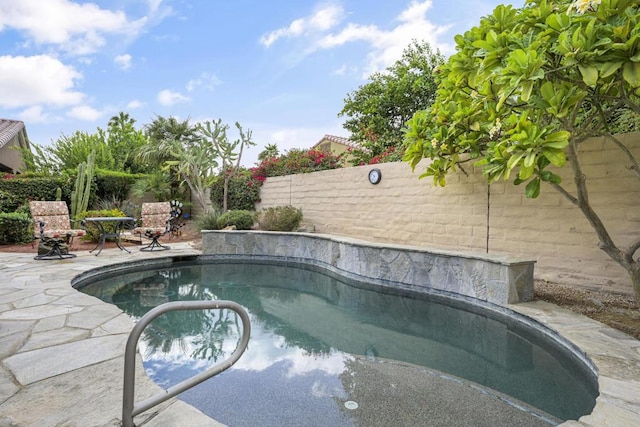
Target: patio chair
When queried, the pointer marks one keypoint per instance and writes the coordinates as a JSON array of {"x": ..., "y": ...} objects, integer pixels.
[
  {"x": 53, "y": 227},
  {"x": 155, "y": 223}
]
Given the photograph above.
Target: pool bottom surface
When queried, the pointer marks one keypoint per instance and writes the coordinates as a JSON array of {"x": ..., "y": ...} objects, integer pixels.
[{"x": 378, "y": 393}]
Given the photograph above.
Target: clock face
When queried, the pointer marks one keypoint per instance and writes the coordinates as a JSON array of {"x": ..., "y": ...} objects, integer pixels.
[{"x": 375, "y": 176}]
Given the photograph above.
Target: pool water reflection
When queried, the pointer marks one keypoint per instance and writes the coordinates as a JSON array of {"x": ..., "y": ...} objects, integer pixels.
[{"x": 314, "y": 335}]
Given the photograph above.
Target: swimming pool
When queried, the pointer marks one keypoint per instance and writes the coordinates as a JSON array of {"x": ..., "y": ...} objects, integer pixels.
[{"x": 330, "y": 351}]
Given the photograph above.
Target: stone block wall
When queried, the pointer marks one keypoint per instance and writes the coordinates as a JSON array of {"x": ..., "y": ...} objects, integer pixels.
[
  {"x": 496, "y": 279},
  {"x": 468, "y": 215}
]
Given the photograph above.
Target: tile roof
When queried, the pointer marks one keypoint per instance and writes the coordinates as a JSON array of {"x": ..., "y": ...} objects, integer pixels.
[
  {"x": 338, "y": 140},
  {"x": 9, "y": 129}
]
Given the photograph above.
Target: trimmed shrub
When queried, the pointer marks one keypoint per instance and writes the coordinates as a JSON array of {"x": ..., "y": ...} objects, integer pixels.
[
  {"x": 9, "y": 202},
  {"x": 242, "y": 219},
  {"x": 24, "y": 189},
  {"x": 280, "y": 218},
  {"x": 15, "y": 228}
]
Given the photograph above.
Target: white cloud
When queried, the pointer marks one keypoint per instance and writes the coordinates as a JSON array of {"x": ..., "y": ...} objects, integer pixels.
[
  {"x": 352, "y": 33},
  {"x": 385, "y": 45},
  {"x": 168, "y": 97},
  {"x": 84, "y": 112},
  {"x": 34, "y": 114},
  {"x": 135, "y": 104},
  {"x": 34, "y": 80},
  {"x": 344, "y": 69},
  {"x": 322, "y": 19},
  {"x": 206, "y": 80},
  {"x": 123, "y": 61},
  {"x": 77, "y": 28}
]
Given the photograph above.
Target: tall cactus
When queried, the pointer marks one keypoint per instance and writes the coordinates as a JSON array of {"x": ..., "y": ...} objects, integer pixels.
[
  {"x": 58, "y": 194},
  {"x": 82, "y": 188}
]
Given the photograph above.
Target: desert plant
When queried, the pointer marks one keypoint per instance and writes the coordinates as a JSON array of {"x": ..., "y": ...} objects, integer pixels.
[
  {"x": 82, "y": 188},
  {"x": 280, "y": 218},
  {"x": 243, "y": 220},
  {"x": 157, "y": 183},
  {"x": 208, "y": 221}
]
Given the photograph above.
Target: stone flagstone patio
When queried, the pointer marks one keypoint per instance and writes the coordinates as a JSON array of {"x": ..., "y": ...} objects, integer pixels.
[{"x": 61, "y": 352}]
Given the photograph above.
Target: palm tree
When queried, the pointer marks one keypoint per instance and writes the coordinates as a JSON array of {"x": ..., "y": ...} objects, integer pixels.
[{"x": 270, "y": 152}]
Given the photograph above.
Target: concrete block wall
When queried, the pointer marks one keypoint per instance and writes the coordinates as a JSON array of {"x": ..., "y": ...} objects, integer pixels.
[{"x": 468, "y": 215}]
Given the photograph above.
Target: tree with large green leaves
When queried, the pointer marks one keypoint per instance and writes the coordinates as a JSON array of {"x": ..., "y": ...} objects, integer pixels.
[
  {"x": 377, "y": 111},
  {"x": 525, "y": 89}
]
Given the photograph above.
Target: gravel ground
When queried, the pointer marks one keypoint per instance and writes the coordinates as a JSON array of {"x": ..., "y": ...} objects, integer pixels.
[{"x": 617, "y": 310}]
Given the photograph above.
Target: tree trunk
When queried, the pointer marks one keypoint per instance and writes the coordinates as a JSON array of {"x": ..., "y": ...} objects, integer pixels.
[
  {"x": 634, "y": 272},
  {"x": 225, "y": 192},
  {"x": 606, "y": 243}
]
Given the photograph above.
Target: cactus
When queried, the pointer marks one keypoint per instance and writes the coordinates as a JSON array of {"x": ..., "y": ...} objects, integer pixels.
[
  {"x": 58, "y": 194},
  {"x": 82, "y": 188}
]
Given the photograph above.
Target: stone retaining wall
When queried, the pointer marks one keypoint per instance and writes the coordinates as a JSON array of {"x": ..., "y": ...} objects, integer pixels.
[{"x": 496, "y": 279}]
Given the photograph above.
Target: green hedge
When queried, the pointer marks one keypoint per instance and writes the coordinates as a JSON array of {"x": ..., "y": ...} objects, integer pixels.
[
  {"x": 24, "y": 189},
  {"x": 15, "y": 228},
  {"x": 114, "y": 185}
]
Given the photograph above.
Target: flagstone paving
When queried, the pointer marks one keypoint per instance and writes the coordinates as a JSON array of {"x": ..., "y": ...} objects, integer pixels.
[{"x": 62, "y": 352}]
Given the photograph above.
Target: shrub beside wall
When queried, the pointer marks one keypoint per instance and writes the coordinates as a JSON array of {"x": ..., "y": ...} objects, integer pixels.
[
  {"x": 243, "y": 192},
  {"x": 15, "y": 228}
]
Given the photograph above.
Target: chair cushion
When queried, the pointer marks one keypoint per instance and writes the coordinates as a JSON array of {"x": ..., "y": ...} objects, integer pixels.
[
  {"x": 62, "y": 233},
  {"x": 55, "y": 216}
]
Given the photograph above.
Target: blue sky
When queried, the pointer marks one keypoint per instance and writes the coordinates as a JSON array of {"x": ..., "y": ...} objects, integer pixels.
[{"x": 280, "y": 68}]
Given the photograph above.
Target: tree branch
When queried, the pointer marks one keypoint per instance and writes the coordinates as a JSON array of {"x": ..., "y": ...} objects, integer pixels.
[
  {"x": 634, "y": 163},
  {"x": 606, "y": 243},
  {"x": 633, "y": 248},
  {"x": 564, "y": 193}
]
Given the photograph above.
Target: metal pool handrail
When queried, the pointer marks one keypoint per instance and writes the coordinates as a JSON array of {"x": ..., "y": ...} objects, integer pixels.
[{"x": 129, "y": 410}]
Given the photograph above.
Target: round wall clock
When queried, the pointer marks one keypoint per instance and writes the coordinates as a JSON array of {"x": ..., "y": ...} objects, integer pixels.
[{"x": 375, "y": 176}]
